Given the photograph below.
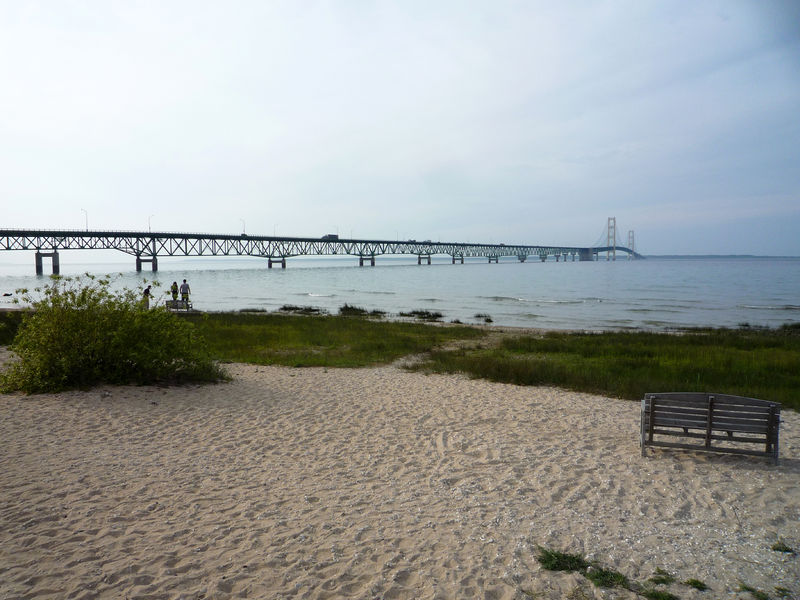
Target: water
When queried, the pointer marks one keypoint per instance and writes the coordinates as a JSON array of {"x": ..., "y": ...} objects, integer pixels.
[{"x": 653, "y": 293}]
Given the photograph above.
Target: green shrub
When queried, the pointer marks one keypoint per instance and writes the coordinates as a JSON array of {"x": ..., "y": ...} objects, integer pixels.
[{"x": 79, "y": 333}]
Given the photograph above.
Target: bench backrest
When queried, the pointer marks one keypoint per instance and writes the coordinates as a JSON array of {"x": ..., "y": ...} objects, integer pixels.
[
  {"x": 721, "y": 417},
  {"x": 719, "y": 412}
]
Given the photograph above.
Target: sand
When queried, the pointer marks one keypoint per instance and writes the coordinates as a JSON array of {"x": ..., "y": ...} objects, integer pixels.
[{"x": 372, "y": 483}]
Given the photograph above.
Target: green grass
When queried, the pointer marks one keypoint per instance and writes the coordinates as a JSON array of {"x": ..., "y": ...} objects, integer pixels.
[
  {"x": 607, "y": 578},
  {"x": 696, "y": 584},
  {"x": 757, "y": 594},
  {"x": 661, "y": 578},
  {"x": 553, "y": 560},
  {"x": 756, "y": 362},
  {"x": 780, "y": 546},
  {"x": 760, "y": 363},
  {"x": 330, "y": 341}
]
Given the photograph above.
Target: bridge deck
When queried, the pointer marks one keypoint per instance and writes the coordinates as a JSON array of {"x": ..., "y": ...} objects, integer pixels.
[{"x": 150, "y": 245}]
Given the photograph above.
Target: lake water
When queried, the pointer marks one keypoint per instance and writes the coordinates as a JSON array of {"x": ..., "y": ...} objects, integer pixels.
[{"x": 656, "y": 293}]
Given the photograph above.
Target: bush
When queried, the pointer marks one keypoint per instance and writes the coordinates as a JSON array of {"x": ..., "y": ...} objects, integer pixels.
[{"x": 79, "y": 333}]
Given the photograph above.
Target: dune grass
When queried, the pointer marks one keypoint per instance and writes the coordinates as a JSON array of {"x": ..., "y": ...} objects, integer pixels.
[
  {"x": 756, "y": 362},
  {"x": 329, "y": 341},
  {"x": 760, "y": 363}
]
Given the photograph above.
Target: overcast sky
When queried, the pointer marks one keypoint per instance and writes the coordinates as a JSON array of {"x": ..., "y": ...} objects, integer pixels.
[{"x": 493, "y": 121}]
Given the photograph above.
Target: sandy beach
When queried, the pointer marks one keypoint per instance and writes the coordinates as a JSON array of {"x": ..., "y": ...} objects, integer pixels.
[{"x": 372, "y": 483}]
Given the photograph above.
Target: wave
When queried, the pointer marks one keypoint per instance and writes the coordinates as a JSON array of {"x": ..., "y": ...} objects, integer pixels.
[
  {"x": 372, "y": 292},
  {"x": 313, "y": 295},
  {"x": 536, "y": 301},
  {"x": 769, "y": 307}
]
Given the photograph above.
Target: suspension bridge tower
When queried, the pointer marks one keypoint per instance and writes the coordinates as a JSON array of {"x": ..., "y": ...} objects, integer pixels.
[
  {"x": 612, "y": 238},
  {"x": 631, "y": 244}
]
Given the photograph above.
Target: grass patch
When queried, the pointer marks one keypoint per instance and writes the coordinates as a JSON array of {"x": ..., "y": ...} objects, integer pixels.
[
  {"x": 329, "y": 341},
  {"x": 696, "y": 584},
  {"x": 553, "y": 560},
  {"x": 423, "y": 315},
  {"x": 607, "y": 578},
  {"x": 356, "y": 311},
  {"x": 780, "y": 546},
  {"x": 757, "y": 594},
  {"x": 783, "y": 592},
  {"x": 760, "y": 363},
  {"x": 661, "y": 578},
  {"x": 298, "y": 310}
]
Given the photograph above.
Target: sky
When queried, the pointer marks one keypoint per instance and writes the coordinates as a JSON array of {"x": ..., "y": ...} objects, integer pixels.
[{"x": 525, "y": 122}]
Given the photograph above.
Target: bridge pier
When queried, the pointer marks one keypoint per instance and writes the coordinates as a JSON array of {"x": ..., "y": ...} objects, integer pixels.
[
  {"x": 494, "y": 259},
  {"x": 421, "y": 257},
  {"x": 281, "y": 261},
  {"x": 458, "y": 257},
  {"x": 522, "y": 258},
  {"x": 370, "y": 257},
  {"x": 543, "y": 257},
  {"x": 53, "y": 255},
  {"x": 140, "y": 260}
]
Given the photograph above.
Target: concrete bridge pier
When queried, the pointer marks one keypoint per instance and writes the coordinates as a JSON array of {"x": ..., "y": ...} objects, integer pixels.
[
  {"x": 54, "y": 256},
  {"x": 494, "y": 259},
  {"x": 585, "y": 254},
  {"x": 274, "y": 261},
  {"x": 140, "y": 260},
  {"x": 543, "y": 257},
  {"x": 421, "y": 257},
  {"x": 370, "y": 257},
  {"x": 458, "y": 257},
  {"x": 522, "y": 258}
]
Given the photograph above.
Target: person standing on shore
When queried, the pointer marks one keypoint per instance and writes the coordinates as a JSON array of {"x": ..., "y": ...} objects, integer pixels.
[
  {"x": 146, "y": 297},
  {"x": 185, "y": 291},
  {"x": 174, "y": 290}
]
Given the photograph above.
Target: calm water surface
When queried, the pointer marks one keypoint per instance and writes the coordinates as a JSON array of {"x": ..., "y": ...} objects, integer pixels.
[{"x": 653, "y": 293}]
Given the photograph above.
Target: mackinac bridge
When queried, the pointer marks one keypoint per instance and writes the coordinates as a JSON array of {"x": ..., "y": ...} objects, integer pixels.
[{"x": 148, "y": 246}]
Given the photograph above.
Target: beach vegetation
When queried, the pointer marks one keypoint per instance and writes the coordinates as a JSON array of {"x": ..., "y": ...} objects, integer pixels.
[
  {"x": 554, "y": 560},
  {"x": 299, "y": 310},
  {"x": 780, "y": 546},
  {"x": 696, "y": 584},
  {"x": 760, "y": 363},
  {"x": 423, "y": 315},
  {"x": 607, "y": 578},
  {"x": 78, "y": 333},
  {"x": 783, "y": 592},
  {"x": 356, "y": 311},
  {"x": 10, "y": 321},
  {"x": 319, "y": 341},
  {"x": 661, "y": 577},
  {"x": 756, "y": 593}
]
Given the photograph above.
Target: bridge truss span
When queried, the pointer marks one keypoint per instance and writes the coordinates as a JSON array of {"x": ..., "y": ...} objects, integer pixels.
[{"x": 149, "y": 246}]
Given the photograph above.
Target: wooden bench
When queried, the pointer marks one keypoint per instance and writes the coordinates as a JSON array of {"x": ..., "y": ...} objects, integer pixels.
[
  {"x": 178, "y": 305},
  {"x": 711, "y": 418}
]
